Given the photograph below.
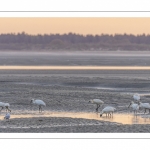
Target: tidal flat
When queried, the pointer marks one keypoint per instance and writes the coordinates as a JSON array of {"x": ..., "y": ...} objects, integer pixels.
[{"x": 67, "y": 93}]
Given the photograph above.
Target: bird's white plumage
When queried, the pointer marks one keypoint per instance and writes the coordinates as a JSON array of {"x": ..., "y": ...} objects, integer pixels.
[
  {"x": 38, "y": 102},
  {"x": 5, "y": 105},
  {"x": 136, "y": 97},
  {"x": 96, "y": 101},
  {"x": 107, "y": 110},
  {"x": 144, "y": 105},
  {"x": 7, "y": 116},
  {"x": 135, "y": 107},
  {"x": 2, "y": 104}
]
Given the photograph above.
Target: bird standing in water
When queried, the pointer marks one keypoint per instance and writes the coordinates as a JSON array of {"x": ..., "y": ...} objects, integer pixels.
[
  {"x": 135, "y": 107},
  {"x": 108, "y": 110},
  {"x": 7, "y": 116}
]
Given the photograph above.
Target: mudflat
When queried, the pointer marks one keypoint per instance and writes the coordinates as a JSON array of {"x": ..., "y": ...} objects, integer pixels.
[{"x": 70, "y": 91}]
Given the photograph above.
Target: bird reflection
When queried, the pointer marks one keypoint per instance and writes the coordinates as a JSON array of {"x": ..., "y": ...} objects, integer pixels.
[{"x": 135, "y": 119}]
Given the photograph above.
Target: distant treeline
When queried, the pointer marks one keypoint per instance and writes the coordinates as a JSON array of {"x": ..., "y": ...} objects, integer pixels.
[{"x": 71, "y": 41}]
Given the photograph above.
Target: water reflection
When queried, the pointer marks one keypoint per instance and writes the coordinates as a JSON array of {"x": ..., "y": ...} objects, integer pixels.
[
  {"x": 135, "y": 119},
  {"x": 118, "y": 117}
]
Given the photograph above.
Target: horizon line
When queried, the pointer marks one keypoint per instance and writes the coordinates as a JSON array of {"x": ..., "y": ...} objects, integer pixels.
[
  {"x": 113, "y": 34},
  {"x": 74, "y": 67}
]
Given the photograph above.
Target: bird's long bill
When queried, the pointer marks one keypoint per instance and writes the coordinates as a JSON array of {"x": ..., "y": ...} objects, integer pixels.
[
  {"x": 129, "y": 105},
  {"x": 138, "y": 103}
]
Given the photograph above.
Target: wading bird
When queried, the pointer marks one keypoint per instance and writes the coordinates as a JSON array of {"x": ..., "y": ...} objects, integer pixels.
[
  {"x": 108, "y": 110},
  {"x": 5, "y": 105},
  {"x": 136, "y": 97},
  {"x": 98, "y": 102},
  {"x": 7, "y": 116},
  {"x": 145, "y": 106},
  {"x": 38, "y": 102},
  {"x": 135, "y": 107}
]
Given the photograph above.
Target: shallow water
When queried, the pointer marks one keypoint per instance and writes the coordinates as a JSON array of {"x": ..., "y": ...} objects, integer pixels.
[
  {"x": 123, "y": 118},
  {"x": 74, "y": 67}
]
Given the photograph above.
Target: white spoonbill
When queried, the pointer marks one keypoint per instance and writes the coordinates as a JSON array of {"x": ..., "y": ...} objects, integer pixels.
[
  {"x": 5, "y": 105},
  {"x": 38, "y": 102},
  {"x": 108, "y": 110},
  {"x": 145, "y": 106},
  {"x": 136, "y": 97},
  {"x": 135, "y": 107},
  {"x": 7, "y": 116},
  {"x": 98, "y": 102}
]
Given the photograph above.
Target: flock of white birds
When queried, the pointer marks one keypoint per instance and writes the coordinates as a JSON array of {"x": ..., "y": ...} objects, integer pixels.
[
  {"x": 38, "y": 102},
  {"x": 108, "y": 110}
]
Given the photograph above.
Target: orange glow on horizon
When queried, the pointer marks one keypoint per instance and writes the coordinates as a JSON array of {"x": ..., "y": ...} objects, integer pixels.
[
  {"x": 75, "y": 25},
  {"x": 74, "y": 67}
]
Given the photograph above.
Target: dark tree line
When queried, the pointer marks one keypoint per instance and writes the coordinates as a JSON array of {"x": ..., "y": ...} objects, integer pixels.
[{"x": 75, "y": 41}]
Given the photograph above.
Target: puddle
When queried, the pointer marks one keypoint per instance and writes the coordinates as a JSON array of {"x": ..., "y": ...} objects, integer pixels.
[{"x": 117, "y": 117}]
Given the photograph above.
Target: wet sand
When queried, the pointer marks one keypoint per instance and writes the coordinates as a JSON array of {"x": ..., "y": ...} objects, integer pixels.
[{"x": 69, "y": 91}]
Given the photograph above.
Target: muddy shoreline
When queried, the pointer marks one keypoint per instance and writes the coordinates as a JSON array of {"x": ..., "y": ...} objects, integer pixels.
[
  {"x": 71, "y": 93},
  {"x": 68, "y": 125}
]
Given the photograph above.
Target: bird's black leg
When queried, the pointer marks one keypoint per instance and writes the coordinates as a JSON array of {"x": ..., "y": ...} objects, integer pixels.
[
  {"x": 112, "y": 114},
  {"x": 145, "y": 111},
  {"x": 136, "y": 112},
  {"x": 97, "y": 108},
  {"x": 39, "y": 109},
  {"x": 8, "y": 109},
  {"x": 1, "y": 109}
]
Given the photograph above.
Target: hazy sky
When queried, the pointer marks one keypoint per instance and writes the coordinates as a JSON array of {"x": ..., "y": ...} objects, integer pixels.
[{"x": 75, "y": 25}]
